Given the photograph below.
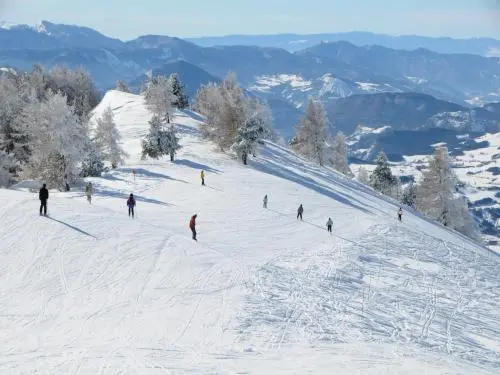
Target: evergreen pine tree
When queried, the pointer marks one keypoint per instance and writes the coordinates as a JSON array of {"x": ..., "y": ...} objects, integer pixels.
[
  {"x": 171, "y": 142},
  {"x": 92, "y": 164},
  {"x": 409, "y": 195},
  {"x": 7, "y": 168},
  {"x": 180, "y": 98},
  {"x": 160, "y": 141},
  {"x": 382, "y": 179},
  {"x": 247, "y": 138}
]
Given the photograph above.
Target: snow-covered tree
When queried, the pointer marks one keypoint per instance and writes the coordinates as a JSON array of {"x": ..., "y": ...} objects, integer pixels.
[
  {"x": 151, "y": 144},
  {"x": 92, "y": 164},
  {"x": 180, "y": 97},
  {"x": 233, "y": 112},
  {"x": 121, "y": 86},
  {"x": 7, "y": 166},
  {"x": 159, "y": 97},
  {"x": 107, "y": 138},
  {"x": 160, "y": 141},
  {"x": 363, "y": 176},
  {"x": 77, "y": 86},
  {"x": 382, "y": 179},
  {"x": 226, "y": 110},
  {"x": 170, "y": 143},
  {"x": 247, "y": 138},
  {"x": 10, "y": 106},
  {"x": 409, "y": 197},
  {"x": 340, "y": 162},
  {"x": 58, "y": 139},
  {"x": 208, "y": 102},
  {"x": 437, "y": 195},
  {"x": 312, "y": 133}
]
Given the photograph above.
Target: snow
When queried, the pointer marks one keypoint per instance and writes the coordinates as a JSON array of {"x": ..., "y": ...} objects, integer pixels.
[
  {"x": 493, "y": 52},
  {"x": 299, "y": 41},
  {"x": 264, "y": 83},
  {"x": 367, "y": 86},
  {"x": 90, "y": 291},
  {"x": 9, "y": 25},
  {"x": 363, "y": 130},
  {"x": 417, "y": 80},
  {"x": 473, "y": 168},
  {"x": 475, "y": 101}
]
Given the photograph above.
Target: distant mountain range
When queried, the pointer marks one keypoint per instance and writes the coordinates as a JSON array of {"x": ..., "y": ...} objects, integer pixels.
[
  {"x": 297, "y": 42},
  {"x": 359, "y": 83}
]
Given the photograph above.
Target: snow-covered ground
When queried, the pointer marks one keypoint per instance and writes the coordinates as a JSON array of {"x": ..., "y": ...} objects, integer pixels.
[
  {"x": 90, "y": 291},
  {"x": 478, "y": 170}
]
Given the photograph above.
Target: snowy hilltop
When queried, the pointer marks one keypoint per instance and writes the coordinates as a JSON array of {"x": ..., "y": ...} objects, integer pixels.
[{"x": 89, "y": 290}]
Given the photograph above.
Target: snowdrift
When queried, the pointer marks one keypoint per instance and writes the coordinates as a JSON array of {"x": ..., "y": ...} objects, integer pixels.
[{"x": 89, "y": 291}]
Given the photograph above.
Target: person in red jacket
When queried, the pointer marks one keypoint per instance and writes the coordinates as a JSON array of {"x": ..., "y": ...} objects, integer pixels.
[{"x": 192, "y": 226}]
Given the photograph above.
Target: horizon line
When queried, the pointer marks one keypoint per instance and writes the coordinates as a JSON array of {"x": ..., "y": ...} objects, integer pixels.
[{"x": 256, "y": 35}]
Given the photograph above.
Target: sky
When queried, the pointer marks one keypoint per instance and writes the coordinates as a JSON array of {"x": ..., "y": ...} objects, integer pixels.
[{"x": 127, "y": 19}]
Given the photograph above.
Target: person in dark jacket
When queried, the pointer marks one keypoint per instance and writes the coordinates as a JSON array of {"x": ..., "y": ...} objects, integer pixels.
[
  {"x": 192, "y": 226},
  {"x": 131, "y": 205},
  {"x": 329, "y": 224},
  {"x": 43, "y": 196},
  {"x": 300, "y": 211}
]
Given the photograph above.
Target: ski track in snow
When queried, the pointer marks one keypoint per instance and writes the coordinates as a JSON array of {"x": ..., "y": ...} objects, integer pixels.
[{"x": 90, "y": 291}]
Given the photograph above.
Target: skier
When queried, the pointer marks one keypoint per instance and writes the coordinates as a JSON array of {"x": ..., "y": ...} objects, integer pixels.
[
  {"x": 43, "y": 196},
  {"x": 192, "y": 225},
  {"x": 300, "y": 211},
  {"x": 265, "y": 201},
  {"x": 89, "y": 190},
  {"x": 400, "y": 214},
  {"x": 134, "y": 173},
  {"x": 329, "y": 224},
  {"x": 202, "y": 175},
  {"x": 131, "y": 205}
]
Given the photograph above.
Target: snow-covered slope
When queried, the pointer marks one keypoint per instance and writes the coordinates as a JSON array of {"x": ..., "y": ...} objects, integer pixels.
[
  {"x": 90, "y": 291},
  {"x": 477, "y": 169}
]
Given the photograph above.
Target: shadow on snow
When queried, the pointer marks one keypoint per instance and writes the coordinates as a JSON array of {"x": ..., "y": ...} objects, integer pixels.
[
  {"x": 123, "y": 195},
  {"x": 276, "y": 165},
  {"x": 145, "y": 173},
  {"x": 194, "y": 165},
  {"x": 72, "y": 227}
]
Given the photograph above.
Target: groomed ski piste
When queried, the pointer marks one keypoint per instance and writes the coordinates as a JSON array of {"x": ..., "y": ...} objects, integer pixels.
[{"x": 88, "y": 290}]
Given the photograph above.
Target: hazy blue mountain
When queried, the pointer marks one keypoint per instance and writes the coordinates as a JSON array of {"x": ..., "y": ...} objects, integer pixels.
[
  {"x": 296, "y": 42},
  {"x": 410, "y": 111},
  {"x": 191, "y": 76},
  {"x": 413, "y": 88},
  {"x": 47, "y": 35}
]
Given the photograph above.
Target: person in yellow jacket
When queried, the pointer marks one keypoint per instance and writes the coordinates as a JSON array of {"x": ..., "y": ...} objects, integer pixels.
[{"x": 202, "y": 175}]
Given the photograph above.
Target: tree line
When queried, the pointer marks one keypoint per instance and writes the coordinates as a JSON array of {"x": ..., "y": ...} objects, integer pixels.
[
  {"x": 437, "y": 195},
  {"x": 46, "y": 135},
  {"x": 46, "y": 131}
]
